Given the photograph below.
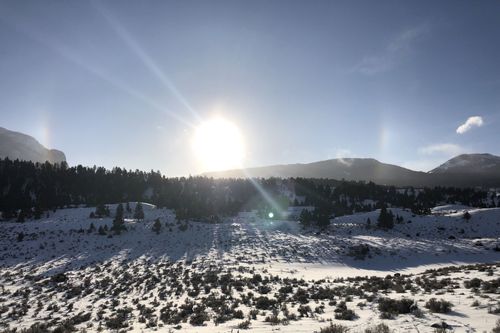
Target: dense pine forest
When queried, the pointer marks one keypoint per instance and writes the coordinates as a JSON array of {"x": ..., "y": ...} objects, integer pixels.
[{"x": 28, "y": 189}]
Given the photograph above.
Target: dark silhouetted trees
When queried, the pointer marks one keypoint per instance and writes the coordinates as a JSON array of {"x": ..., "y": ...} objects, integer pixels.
[
  {"x": 118, "y": 222},
  {"x": 385, "y": 219},
  {"x": 157, "y": 226},
  {"x": 28, "y": 189},
  {"x": 139, "y": 211}
]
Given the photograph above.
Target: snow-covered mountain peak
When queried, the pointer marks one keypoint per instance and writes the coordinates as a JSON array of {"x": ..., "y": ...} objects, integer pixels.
[{"x": 470, "y": 163}]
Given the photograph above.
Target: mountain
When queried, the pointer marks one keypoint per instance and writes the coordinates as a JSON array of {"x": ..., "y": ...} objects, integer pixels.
[
  {"x": 461, "y": 171},
  {"x": 15, "y": 145},
  {"x": 367, "y": 169},
  {"x": 470, "y": 164}
]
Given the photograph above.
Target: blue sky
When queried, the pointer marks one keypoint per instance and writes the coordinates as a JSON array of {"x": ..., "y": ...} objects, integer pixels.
[{"x": 122, "y": 83}]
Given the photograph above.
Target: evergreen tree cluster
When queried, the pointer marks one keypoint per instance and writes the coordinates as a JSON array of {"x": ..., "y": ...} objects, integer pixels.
[
  {"x": 340, "y": 198},
  {"x": 317, "y": 217},
  {"x": 28, "y": 190}
]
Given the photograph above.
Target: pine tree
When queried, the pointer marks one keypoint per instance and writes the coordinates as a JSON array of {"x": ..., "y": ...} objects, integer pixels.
[
  {"x": 368, "y": 223},
  {"x": 119, "y": 212},
  {"x": 157, "y": 226},
  {"x": 139, "y": 212},
  {"x": 305, "y": 218},
  {"x": 467, "y": 216},
  {"x": 118, "y": 222},
  {"x": 323, "y": 220},
  {"x": 37, "y": 213},
  {"x": 101, "y": 210},
  {"x": 21, "y": 216},
  {"x": 385, "y": 219},
  {"x": 101, "y": 231},
  {"x": 127, "y": 207}
]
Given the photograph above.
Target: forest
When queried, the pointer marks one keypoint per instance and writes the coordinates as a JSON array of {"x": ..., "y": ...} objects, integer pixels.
[{"x": 28, "y": 189}]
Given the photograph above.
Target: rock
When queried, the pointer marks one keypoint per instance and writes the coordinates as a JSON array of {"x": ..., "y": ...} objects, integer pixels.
[
  {"x": 15, "y": 145},
  {"x": 441, "y": 325}
]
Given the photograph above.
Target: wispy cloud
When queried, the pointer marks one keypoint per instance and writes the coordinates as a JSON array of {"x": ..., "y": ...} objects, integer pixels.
[
  {"x": 391, "y": 56},
  {"x": 433, "y": 155},
  {"x": 343, "y": 156},
  {"x": 475, "y": 121},
  {"x": 449, "y": 149}
]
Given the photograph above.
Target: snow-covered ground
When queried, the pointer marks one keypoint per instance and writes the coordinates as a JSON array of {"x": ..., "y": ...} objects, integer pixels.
[{"x": 61, "y": 269}]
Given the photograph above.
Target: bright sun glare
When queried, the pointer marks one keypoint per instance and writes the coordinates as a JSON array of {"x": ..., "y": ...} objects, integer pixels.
[{"x": 218, "y": 145}]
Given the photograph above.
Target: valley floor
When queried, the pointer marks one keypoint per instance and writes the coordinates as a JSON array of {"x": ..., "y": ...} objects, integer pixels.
[{"x": 250, "y": 274}]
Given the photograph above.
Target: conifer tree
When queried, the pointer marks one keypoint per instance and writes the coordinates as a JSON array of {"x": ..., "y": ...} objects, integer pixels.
[
  {"x": 305, "y": 218},
  {"x": 385, "y": 219},
  {"x": 37, "y": 213},
  {"x": 138, "y": 212},
  {"x": 101, "y": 231},
  {"x": 118, "y": 222},
  {"x": 21, "y": 216},
  {"x": 157, "y": 226},
  {"x": 323, "y": 220}
]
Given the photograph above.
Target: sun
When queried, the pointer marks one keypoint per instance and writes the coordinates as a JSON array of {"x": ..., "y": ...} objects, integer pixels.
[{"x": 218, "y": 145}]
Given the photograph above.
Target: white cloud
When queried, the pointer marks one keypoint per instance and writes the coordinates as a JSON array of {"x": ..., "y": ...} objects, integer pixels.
[
  {"x": 343, "y": 156},
  {"x": 475, "y": 121},
  {"x": 449, "y": 149},
  {"x": 343, "y": 153},
  {"x": 393, "y": 52}
]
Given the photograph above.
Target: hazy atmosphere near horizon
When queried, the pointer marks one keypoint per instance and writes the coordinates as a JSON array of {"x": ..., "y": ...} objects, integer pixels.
[{"x": 192, "y": 86}]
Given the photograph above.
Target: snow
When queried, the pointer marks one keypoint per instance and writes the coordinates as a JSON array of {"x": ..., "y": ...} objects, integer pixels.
[
  {"x": 446, "y": 209},
  {"x": 61, "y": 243}
]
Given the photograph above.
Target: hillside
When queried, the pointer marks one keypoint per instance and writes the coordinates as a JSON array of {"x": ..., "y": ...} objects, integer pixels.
[
  {"x": 480, "y": 170},
  {"x": 367, "y": 169},
  {"x": 201, "y": 277},
  {"x": 15, "y": 145},
  {"x": 473, "y": 164}
]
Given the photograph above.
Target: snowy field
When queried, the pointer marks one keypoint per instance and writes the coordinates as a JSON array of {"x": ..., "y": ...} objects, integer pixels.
[{"x": 250, "y": 274}]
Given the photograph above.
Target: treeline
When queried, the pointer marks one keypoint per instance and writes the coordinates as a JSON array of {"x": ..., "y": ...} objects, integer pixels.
[
  {"x": 29, "y": 189},
  {"x": 32, "y": 188},
  {"x": 347, "y": 197}
]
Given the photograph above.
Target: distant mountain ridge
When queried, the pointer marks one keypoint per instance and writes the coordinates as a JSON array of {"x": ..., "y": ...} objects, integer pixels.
[
  {"x": 16, "y": 145},
  {"x": 470, "y": 163},
  {"x": 463, "y": 170}
]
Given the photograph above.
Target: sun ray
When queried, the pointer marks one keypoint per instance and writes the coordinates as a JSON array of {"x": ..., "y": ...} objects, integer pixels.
[
  {"x": 72, "y": 57},
  {"x": 148, "y": 62}
]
